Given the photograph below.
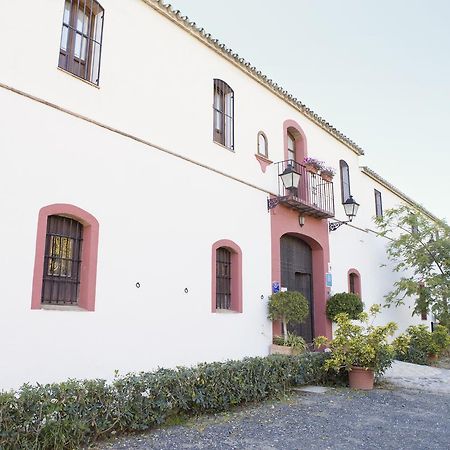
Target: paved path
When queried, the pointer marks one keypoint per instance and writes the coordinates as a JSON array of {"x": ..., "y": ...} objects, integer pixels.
[{"x": 422, "y": 378}]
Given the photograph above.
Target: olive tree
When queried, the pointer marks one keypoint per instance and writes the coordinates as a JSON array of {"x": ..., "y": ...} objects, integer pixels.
[{"x": 288, "y": 306}]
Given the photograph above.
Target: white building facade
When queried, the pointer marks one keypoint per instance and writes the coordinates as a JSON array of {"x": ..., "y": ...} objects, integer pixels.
[{"x": 138, "y": 156}]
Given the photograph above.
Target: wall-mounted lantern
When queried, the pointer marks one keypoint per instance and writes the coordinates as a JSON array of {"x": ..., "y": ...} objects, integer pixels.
[{"x": 351, "y": 209}]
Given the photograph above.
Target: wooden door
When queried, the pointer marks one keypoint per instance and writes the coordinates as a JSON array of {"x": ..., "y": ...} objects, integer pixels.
[{"x": 296, "y": 275}]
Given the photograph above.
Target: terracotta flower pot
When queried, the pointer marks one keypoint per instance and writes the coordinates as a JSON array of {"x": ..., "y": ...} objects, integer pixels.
[
  {"x": 311, "y": 168},
  {"x": 360, "y": 378},
  {"x": 327, "y": 177},
  {"x": 281, "y": 350}
]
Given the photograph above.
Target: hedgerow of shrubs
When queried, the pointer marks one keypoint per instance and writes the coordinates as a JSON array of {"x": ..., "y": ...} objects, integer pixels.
[
  {"x": 344, "y": 302},
  {"x": 417, "y": 344},
  {"x": 74, "y": 414}
]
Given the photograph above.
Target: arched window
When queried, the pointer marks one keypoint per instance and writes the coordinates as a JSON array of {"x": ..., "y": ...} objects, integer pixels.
[
  {"x": 81, "y": 39},
  {"x": 223, "y": 108},
  {"x": 262, "y": 145},
  {"x": 291, "y": 154},
  {"x": 345, "y": 181},
  {"x": 226, "y": 276},
  {"x": 354, "y": 282},
  {"x": 66, "y": 258},
  {"x": 294, "y": 141}
]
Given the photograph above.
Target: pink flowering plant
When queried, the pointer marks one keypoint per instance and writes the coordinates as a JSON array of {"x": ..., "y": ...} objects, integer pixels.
[{"x": 317, "y": 164}]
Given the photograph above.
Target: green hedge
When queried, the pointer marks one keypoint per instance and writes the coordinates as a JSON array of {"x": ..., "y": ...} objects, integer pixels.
[{"x": 74, "y": 414}]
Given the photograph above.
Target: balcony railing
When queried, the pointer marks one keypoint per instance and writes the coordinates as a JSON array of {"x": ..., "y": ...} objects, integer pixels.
[{"x": 313, "y": 196}]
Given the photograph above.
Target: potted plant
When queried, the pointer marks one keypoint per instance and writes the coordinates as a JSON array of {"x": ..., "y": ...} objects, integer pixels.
[
  {"x": 360, "y": 348},
  {"x": 288, "y": 306},
  {"x": 419, "y": 345},
  {"x": 312, "y": 164},
  {"x": 293, "y": 345},
  {"x": 327, "y": 173}
]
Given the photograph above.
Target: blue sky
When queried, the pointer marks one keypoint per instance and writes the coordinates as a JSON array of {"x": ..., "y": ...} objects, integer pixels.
[{"x": 377, "y": 70}]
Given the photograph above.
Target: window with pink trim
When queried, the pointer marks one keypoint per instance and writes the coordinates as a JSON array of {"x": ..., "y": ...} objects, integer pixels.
[
  {"x": 66, "y": 258},
  {"x": 294, "y": 141},
  {"x": 354, "y": 282},
  {"x": 226, "y": 262}
]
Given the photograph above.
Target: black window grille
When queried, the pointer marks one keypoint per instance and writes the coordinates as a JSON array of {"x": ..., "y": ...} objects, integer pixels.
[
  {"x": 223, "y": 278},
  {"x": 378, "y": 204},
  {"x": 62, "y": 261},
  {"x": 223, "y": 108},
  {"x": 81, "y": 39},
  {"x": 345, "y": 181},
  {"x": 352, "y": 279}
]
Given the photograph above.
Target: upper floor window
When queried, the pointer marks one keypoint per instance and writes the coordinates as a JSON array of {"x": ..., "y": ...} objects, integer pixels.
[
  {"x": 378, "y": 204},
  {"x": 345, "y": 181},
  {"x": 223, "y": 108},
  {"x": 290, "y": 146},
  {"x": 262, "y": 145},
  {"x": 81, "y": 39}
]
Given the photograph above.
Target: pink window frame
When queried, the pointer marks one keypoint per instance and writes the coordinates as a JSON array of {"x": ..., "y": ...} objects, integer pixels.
[
  {"x": 357, "y": 281},
  {"x": 89, "y": 252},
  {"x": 236, "y": 274}
]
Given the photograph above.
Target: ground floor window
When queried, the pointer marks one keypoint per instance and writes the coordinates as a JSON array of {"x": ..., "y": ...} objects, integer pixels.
[
  {"x": 62, "y": 261},
  {"x": 65, "y": 267},
  {"x": 226, "y": 276},
  {"x": 354, "y": 282}
]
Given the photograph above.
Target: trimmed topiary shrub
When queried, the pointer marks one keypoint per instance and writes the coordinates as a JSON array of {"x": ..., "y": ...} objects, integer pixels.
[
  {"x": 344, "y": 302},
  {"x": 288, "y": 306},
  {"x": 74, "y": 414}
]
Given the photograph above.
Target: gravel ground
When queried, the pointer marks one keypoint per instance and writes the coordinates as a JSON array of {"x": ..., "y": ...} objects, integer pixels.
[{"x": 384, "y": 418}]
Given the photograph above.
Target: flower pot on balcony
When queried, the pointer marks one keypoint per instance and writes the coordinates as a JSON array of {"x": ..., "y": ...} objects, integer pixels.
[
  {"x": 361, "y": 378},
  {"x": 311, "y": 168},
  {"x": 326, "y": 177}
]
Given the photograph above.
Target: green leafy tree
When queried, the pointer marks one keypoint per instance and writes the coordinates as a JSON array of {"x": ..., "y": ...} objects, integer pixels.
[
  {"x": 420, "y": 249},
  {"x": 289, "y": 306}
]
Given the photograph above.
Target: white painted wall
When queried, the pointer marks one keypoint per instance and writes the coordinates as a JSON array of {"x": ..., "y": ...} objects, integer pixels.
[
  {"x": 159, "y": 215},
  {"x": 153, "y": 229}
]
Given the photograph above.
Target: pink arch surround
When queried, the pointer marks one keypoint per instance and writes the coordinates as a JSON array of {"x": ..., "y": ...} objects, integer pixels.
[
  {"x": 357, "y": 281},
  {"x": 88, "y": 276},
  {"x": 300, "y": 139},
  {"x": 315, "y": 234},
  {"x": 236, "y": 274}
]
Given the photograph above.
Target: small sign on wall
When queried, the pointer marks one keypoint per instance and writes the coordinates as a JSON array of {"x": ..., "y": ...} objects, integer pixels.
[
  {"x": 275, "y": 287},
  {"x": 328, "y": 279}
]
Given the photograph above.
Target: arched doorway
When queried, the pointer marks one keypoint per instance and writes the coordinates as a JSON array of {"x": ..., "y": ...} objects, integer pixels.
[{"x": 296, "y": 275}]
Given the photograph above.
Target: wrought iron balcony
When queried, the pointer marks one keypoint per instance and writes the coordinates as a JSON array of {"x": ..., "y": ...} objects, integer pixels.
[{"x": 312, "y": 196}]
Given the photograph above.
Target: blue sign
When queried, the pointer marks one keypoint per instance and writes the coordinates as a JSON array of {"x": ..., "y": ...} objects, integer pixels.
[
  {"x": 329, "y": 279},
  {"x": 275, "y": 287}
]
